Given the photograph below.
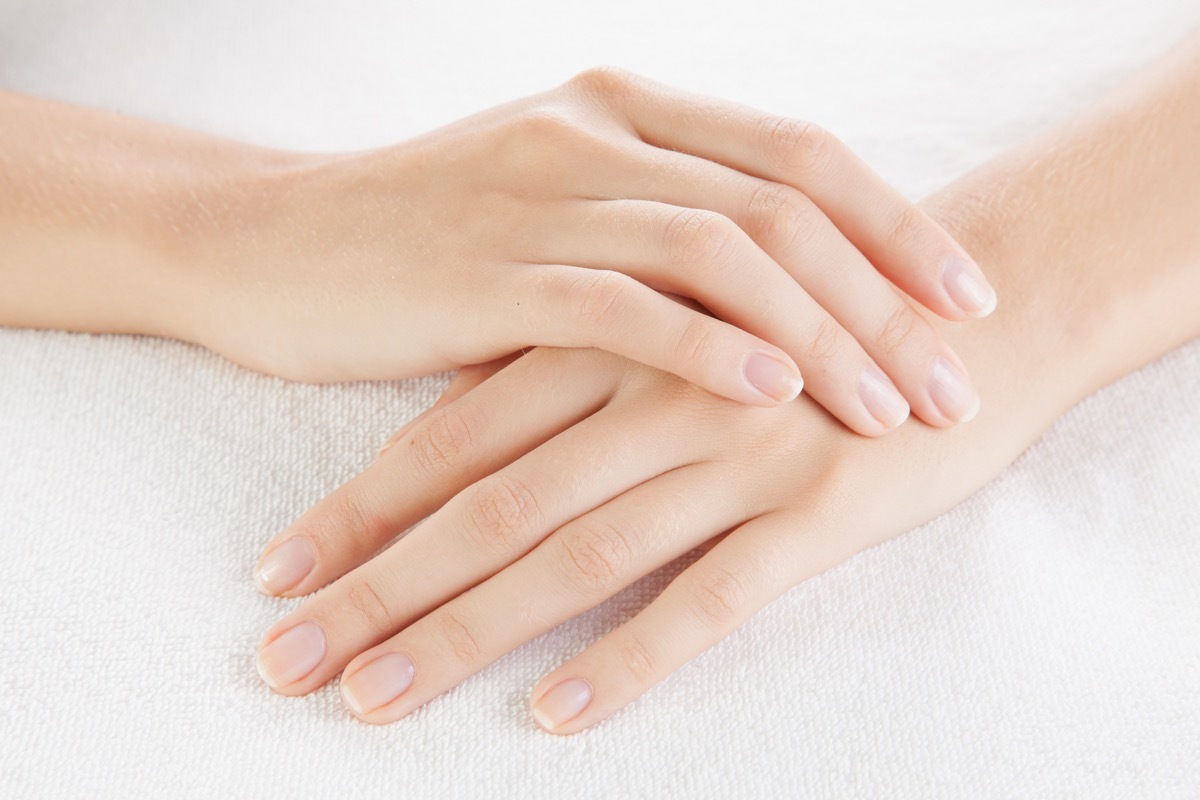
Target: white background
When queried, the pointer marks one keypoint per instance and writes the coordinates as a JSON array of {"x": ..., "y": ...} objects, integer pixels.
[{"x": 1043, "y": 639}]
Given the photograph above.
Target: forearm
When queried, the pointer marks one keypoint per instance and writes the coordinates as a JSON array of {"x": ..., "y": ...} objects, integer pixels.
[
  {"x": 95, "y": 211},
  {"x": 1091, "y": 233}
]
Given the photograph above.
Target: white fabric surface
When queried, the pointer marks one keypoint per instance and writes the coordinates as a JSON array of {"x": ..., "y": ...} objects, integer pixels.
[{"x": 1041, "y": 640}]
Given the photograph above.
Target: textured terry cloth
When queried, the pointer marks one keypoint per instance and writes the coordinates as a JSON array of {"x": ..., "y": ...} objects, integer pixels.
[{"x": 1040, "y": 640}]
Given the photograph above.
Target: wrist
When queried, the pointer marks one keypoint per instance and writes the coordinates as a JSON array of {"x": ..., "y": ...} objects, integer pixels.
[
  {"x": 215, "y": 235},
  {"x": 1088, "y": 234}
]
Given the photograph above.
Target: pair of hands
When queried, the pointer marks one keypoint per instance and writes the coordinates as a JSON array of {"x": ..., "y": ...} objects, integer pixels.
[
  {"x": 556, "y": 482},
  {"x": 551, "y": 481}
]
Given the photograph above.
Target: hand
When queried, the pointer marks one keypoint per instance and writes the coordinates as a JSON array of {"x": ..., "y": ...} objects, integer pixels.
[
  {"x": 604, "y": 472},
  {"x": 644, "y": 467},
  {"x": 552, "y": 220}
]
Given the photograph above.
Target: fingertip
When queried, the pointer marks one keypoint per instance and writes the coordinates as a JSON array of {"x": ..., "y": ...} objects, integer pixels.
[
  {"x": 561, "y": 704},
  {"x": 952, "y": 393},
  {"x": 772, "y": 378},
  {"x": 285, "y": 566},
  {"x": 972, "y": 411},
  {"x": 967, "y": 288},
  {"x": 882, "y": 400}
]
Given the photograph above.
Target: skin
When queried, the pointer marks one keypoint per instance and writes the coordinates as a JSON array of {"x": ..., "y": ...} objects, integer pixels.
[
  {"x": 571, "y": 207},
  {"x": 369, "y": 265},
  {"x": 566, "y": 475}
]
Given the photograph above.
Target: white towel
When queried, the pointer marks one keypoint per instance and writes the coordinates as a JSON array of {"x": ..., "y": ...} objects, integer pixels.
[{"x": 1041, "y": 640}]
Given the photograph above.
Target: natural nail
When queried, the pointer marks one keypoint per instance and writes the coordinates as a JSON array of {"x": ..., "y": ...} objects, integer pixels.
[
  {"x": 968, "y": 288},
  {"x": 285, "y": 566},
  {"x": 773, "y": 378},
  {"x": 881, "y": 398},
  {"x": 292, "y": 655},
  {"x": 378, "y": 683},
  {"x": 951, "y": 392},
  {"x": 563, "y": 703}
]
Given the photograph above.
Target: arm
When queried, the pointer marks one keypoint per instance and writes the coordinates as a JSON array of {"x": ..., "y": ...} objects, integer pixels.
[
  {"x": 94, "y": 213},
  {"x": 1094, "y": 226},
  {"x": 1090, "y": 230},
  {"x": 557, "y": 220}
]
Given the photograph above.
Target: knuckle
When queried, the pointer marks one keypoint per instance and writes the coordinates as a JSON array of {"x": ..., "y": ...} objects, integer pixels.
[
  {"x": 355, "y": 517},
  {"x": 697, "y": 236},
  {"x": 823, "y": 344},
  {"x": 897, "y": 331},
  {"x": 595, "y": 556},
  {"x": 603, "y": 297},
  {"x": 547, "y": 126},
  {"x": 718, "y": 598},
  {"x": 906, "y": 229},
  {"x": 500, "y": 513},
  {"x": 698, "y": 341},
  {"x": 447, "y": 438},
  {"x": 638, "y": 660},
  {"x": 366, "y": 598},
  {"x": 795, "y": 147},
  {"x": 606, "y": 82},
  {"x": 778, "y": 215},
  {"x": 462, "y": 643}
]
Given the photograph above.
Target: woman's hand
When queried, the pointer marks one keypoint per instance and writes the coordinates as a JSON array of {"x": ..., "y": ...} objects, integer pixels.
[
  {"x": 554, "y": 219},
  {"x": 560, "y": 480},
  {"x": 569, "y": 474}
]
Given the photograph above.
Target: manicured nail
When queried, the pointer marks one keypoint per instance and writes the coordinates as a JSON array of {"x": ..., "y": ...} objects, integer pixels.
[
  {"x": 563, "y": 703},
  {"x": 951, "y": 393},
  {"x": 968, "y": 288},
  {"x": 285, "y": 566},
  {"x": 773, "y": 378},
  {"x": 292, "y": 655},
  {"x": 881, "y": 397},
  {"x": 378, "y": 683}
]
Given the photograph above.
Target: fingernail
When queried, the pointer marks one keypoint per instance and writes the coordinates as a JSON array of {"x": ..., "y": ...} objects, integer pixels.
[
  {"x": 881, "y": 398},
  {"x": 563, "y": 703},
  {"x": 968, "y": 288},
  {"x": 951, "y": 393},
  {"x": 292, "y": 655},
  {"x": 378, "y": 683},
  {"x": 285, "y": 566},
  {"x": 773, "y": 378}
]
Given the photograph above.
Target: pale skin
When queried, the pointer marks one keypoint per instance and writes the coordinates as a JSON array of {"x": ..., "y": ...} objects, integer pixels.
[
  {"x": 542, "y": 508},
  {"x": 548, "y": 221},
  {"x": 1087, "y": 233}
]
